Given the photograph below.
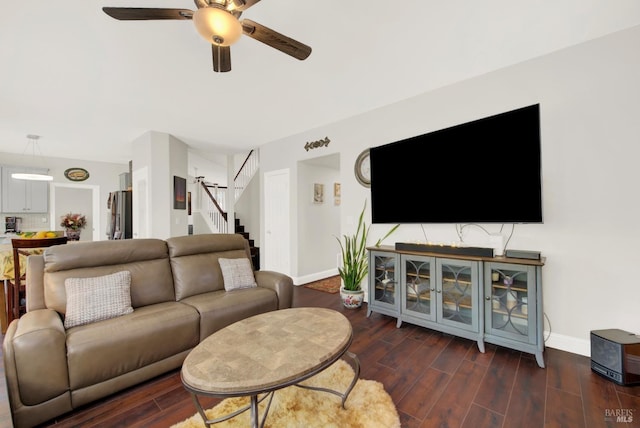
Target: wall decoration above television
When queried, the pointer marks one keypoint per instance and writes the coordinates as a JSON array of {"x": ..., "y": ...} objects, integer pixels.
[{"x": 484, "y": 171}]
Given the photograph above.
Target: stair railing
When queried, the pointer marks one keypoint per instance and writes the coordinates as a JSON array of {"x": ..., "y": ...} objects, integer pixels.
[
  {"x": 215, "y": 214},
  {"x": 215, "y": 207},
  {"x": 245, "y": 173}
]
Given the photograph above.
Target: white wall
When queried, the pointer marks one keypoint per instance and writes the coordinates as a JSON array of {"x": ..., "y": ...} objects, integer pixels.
[
  {"x": 164, "y": 157},
  {"x": 247, "y": 209},
  {"x": 178, "y": 160},
  {"x": 590, "y": 122},
  {"x": 318, "y": 223},
  {"x": 214, "y": 169}
]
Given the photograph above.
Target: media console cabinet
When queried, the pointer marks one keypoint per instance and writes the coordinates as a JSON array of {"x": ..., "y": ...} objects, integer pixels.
[{"x": 487, "y": 299}]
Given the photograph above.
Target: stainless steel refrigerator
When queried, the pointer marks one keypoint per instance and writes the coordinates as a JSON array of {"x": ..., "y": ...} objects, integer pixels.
[{"x": 119, "y": 223}]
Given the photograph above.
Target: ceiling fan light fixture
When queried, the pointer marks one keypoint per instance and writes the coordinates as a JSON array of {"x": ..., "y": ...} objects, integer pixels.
[{"x": 217, "y": 26}]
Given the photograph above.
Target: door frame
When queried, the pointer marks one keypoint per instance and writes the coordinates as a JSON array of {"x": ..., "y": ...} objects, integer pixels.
[{"x": 95, "y": 205}]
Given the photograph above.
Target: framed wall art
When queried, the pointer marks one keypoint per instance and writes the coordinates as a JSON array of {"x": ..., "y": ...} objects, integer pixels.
[
  {"x": 76, "y": 174},
  {"x": 318, "y": 193},
  {"x": 179, "y": 193}
]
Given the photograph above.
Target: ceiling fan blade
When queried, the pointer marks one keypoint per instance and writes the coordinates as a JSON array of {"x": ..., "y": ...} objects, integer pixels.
[
  {"x": 243, "y": 5},
  {"x": 221, "y": 58},
  {"x": 143, "y": 13},
  {"x": 275, "y": 40}
]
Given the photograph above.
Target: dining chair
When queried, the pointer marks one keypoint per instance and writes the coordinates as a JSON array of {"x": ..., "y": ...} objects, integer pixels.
[{"x": 16, "y": 300}]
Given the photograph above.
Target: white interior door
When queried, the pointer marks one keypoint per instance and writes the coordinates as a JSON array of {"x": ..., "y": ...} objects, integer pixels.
[{"x": 277, "y": 241}]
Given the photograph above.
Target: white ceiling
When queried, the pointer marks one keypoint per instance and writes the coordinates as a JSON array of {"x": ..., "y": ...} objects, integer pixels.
[{"x": 89, "y": 84}]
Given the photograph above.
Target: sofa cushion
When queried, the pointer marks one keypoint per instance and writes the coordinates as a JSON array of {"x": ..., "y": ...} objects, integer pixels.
[
  {"x": 194, "y": 261},
  {"x": 146, "y": 259},
  {"x": 219, "y": 309},
  {"x": 237, "y": 273},
  {"x": 147, "y": 335},
  {"x": 97, "y": 298}
]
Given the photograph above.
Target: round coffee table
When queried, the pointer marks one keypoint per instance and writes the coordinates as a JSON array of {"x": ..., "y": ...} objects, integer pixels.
[{"x": 267, "y": 352}]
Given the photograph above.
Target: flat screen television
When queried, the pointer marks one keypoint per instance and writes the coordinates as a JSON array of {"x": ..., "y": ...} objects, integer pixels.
[{"x": 484, "y": 171}]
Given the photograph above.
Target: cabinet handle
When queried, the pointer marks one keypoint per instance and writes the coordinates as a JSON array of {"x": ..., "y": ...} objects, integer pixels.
[
  {"x": 439, "y": 291},
  {"x": 433, "y": 289},
  {"x": 487, "y": 298}
]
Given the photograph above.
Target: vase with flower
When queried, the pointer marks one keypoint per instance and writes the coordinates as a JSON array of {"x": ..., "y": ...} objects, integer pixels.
[{"x": 73, "y": 224}]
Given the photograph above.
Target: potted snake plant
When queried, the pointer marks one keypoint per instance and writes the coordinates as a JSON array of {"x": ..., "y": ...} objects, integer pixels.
[{"x": 355, "y": 262}]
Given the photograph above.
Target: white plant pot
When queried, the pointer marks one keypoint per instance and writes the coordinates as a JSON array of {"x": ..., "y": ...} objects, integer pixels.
[{"x": 351, "y": 299}]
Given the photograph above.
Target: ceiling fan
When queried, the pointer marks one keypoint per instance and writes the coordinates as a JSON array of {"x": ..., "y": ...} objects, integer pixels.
[{"x": 218, "y": 22}]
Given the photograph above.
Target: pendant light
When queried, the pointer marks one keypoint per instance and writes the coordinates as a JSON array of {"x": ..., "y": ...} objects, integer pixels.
[{"x": 33, "y": 145}]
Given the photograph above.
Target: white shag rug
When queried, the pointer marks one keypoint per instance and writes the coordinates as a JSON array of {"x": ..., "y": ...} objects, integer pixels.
[{"x": 368, "y": 405}]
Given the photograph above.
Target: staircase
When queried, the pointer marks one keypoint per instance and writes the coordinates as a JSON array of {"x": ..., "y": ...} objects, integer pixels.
[
  {"x": 213, "y": 204},
  {"x": 255, "y": 251}
]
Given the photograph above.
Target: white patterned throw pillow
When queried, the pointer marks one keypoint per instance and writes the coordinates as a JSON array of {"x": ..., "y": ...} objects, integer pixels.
[
  {"x": 237, "y": 273},
  {"x": 96, "y": 299}
]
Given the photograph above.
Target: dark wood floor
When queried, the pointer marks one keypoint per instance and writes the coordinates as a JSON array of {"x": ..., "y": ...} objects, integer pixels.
[{"x": 436, "y": 380}]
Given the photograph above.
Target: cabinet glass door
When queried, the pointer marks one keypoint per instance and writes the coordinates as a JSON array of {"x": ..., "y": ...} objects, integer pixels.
[
  {"x": 511, "y": 310},
  {"x": 385, "y": 282},
  {"x": 458, "y": 291},
  {"x": 419, "y": 287}
]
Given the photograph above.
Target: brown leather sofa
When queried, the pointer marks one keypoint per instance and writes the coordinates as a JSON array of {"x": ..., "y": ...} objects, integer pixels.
[{"x": 178, "y": 296}]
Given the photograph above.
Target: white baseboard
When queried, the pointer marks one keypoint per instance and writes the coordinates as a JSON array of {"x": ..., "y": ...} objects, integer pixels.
[
  {"x": 301, "y": 280},
  {"x": 568, "y": 344}
]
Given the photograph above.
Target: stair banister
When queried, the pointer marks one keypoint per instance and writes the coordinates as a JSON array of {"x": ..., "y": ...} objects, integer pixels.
[{"x": 214, "y": 206}]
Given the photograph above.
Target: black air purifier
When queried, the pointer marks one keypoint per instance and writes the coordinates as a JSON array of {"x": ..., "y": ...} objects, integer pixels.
[{"x": 615, "y": 354}]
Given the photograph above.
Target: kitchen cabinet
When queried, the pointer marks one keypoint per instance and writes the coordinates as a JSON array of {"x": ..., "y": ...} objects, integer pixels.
[{"x": 24, "y": 196}]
